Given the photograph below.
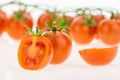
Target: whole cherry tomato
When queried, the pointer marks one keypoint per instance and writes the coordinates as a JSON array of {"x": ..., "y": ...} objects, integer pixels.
[
  {"x": 82, "y": 31},
  {"x": 99, "y": 56},
  {"x": 61, "y": 42},
  {"x": 46, "y": 19},
  {"x": 3, "y": 19},
  {"x": 109, "y": 31},
  {"x": 15, "y": 25},
  {"x": 34, "y": 52}
]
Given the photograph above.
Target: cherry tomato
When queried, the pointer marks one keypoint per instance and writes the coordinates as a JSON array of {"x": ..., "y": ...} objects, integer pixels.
[
  {"x": 109, "y": 31},
  {"x": 46, "y": 18},
  {"x": 99, "y": 56},
  {"x": 34, "y": 52},
  {"x": 61, "y": 44},
  {"x": 3, "y": 19},
  {"x": 15, "y": 25},
  {"x": 81, "y": 33}
]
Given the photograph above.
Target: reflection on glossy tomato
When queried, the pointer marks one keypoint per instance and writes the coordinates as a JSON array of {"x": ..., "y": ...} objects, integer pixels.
[
  {"x": 81, "y": 33},
  {"x": 99, "y": 56},
  {"x": 15, "y": 25},
  {"x": 109, "y": 31},
  {"x": 34, "y": 52},
  {"x": 61, "y": 44},
  {"x": 3, "y": 19}
]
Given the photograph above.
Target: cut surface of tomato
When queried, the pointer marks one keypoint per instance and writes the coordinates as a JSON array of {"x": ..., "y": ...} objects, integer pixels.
[{"x": 35, "y": 52}]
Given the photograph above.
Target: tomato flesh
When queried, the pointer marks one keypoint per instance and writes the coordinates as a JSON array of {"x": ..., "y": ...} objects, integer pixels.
[{"x": 34, "y": 52}]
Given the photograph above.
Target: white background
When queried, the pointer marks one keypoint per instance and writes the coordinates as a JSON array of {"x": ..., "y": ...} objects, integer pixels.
[{"x": 74, "y": 67}]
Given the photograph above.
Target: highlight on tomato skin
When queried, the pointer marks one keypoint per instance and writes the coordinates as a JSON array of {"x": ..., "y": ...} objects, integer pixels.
[
  {"x": 99, "y": 56},
  {"x": 34, "y": 52}
]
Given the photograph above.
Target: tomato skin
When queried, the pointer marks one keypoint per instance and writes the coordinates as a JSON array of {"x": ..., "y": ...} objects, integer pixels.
[
  {"x": 15, "y": 28},
  {"x": 81, "y": 33},
  {"x": 109, "y": 31},
  {"x": 44, "y": 19},
  {"x": 34, "y": 52},
  {"x": 61, "y": 44},
  {"x": 99, "y": 56},
  {"x": 3, "y": 19}
]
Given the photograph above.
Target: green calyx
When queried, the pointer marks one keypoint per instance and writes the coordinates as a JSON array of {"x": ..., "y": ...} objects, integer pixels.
[
  {"x": 55, "y": 27},
  {"x": 63, "y": 23},
  {"x": 89, "y": 21},
  {"x": 37, "y": 32},
  {"x": 19, "y": 15},
  {"x": 113, "y": 15}
]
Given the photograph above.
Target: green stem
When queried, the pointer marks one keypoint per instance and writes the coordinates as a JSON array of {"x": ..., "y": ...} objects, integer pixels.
[{"x": 23, "y": 4}]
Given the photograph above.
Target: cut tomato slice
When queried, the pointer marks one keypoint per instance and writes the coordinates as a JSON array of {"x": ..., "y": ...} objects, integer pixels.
[{"x": 99, "y": 56}]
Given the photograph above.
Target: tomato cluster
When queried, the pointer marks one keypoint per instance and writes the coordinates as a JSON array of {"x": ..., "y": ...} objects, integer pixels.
[{"x": 54, "y": 44}]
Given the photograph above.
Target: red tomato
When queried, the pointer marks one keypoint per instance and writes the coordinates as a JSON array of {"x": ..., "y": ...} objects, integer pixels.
[
  {"x": 99, "y": 56},
  {"x": 15, "y": 25},
  {"x": 81, "y": 33},
  {"x": 61, "y": 44},
  {"x": 46, "y": 18},
  {"x": 109, "y": 31},
  {"x": 34, "y": 52},
  {"x": 3, "y": 19}
]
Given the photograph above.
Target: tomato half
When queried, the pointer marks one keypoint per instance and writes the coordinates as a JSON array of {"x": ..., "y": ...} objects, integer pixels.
[
  {"x": 98, "y": 56},
  {"x": 34, "y": 52},
  {"x": 15, "y": 25},
  {"x": 46, "y": 18},
  {"x": 109, "y": 31},
  {"x": 3, "y": 19},
  {"x": 61, "y": 44},
  {"x": 81, "y": 33}
]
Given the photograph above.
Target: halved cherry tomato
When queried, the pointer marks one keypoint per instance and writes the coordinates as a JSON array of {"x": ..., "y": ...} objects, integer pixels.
[
  {"x": 99, "y": 56},
  {"x": 3, "y": 19},
  {"x": 109, "y": 31},
  {"x": 81, "y": 33},
  {"x": 46, "y": 18},
  {"x": 61, "y": 44},
  {"x": 34, "y": 52},
  {"x": 15, "y": 25}
]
